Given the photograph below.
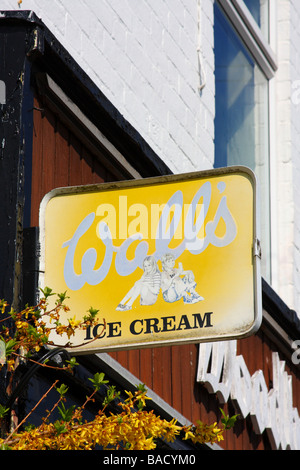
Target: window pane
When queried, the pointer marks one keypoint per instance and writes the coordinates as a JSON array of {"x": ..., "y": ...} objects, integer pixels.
[
  {"x": 259, "y": 9},
  {"x": 241, "y": 121}
]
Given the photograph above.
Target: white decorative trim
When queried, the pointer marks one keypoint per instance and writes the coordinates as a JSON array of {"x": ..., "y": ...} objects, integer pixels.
[{"x": 269, "y": 410}]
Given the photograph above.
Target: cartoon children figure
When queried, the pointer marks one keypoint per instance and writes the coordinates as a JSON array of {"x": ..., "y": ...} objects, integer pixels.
[
  {"x": 147, "y": 287},
  {"x": 174, "y": 286}
]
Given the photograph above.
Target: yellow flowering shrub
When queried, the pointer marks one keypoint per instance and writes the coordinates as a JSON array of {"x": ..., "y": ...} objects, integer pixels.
[
  {"x": 129, "y": 429},
  {"x": 132, "y": 427}
]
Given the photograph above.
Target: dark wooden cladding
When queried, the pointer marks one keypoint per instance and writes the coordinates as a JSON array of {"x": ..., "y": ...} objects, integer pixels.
[
  {"x": 171, "y": 373},
  {"x": 59, "y": 158}
]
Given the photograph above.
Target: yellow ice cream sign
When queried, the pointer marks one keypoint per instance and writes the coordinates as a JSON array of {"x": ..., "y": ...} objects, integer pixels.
[{"x": 165, "y": 260}]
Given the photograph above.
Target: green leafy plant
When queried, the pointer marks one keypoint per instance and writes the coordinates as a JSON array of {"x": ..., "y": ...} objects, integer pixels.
[
  {"x": 133, "y": 427},
  {"x": 66, "y": 413},
  {"x": 228, "y": 421},
  {"x": 98, "y": 380}
]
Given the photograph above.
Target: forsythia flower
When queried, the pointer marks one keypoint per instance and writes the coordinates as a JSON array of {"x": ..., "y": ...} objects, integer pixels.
[
  {"x": 134, "y": 431},
  {"x": 3, "y": 305},
  {"x": 60, "y": 329},
  {"x": 21, "y": 324},
  {"x": 203, "y": 433},
  {"x": 138, "y": 396},
  {"x": 132, "y": 428},
  {"x": 10, "y": 364},
  {"x": 74, "y": 323}
]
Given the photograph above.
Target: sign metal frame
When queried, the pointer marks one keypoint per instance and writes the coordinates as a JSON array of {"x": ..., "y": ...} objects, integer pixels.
[{"x": 161, "y": 182}]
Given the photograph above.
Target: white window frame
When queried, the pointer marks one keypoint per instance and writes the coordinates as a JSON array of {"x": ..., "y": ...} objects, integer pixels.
[
  {"x": 251, "y": 34},
  {"x": 265, "y": 57}
]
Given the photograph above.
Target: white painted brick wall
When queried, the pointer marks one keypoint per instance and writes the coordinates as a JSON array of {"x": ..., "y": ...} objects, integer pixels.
[
  {"x": 143, "y": 55},
  {"x": 288, "y": 152},
  {"x": 295, "y": 140}
]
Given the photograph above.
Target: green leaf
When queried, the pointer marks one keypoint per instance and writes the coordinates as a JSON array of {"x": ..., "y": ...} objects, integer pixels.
[
  {"x": 93, "y": 312},
  {"x": 72, "y": 362},
  {"x": 141, "y": 388},
  {"x": 111, "y": 395},
  {"x": 66, "y": 413},
  {"x": 29, "y": 427},
  {"x": 6, "y": 349},
  {"x": 3, "y": 411},
  {"x": 62, "y": 390},
  {"x": 47, "y": 292},
  {"x": 228, "y": 421},
  {"x": 62, "y": 297},
  {"x": 98, "y": 380},
  {"x": 4, "y": 447},
  {"x": 59, "y": 427}
]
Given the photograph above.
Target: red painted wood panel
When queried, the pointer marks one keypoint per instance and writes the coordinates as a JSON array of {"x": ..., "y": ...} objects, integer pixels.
[
  {"x": 171, "y": 373},
  {"x": 59, "y": 158}
]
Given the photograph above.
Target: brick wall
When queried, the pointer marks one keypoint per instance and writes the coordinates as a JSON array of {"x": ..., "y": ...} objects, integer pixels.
[
  {"x": 295, "y": 141},
  {"x": 288, "y": 151},
  {"x": 143, "y": 55}
]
